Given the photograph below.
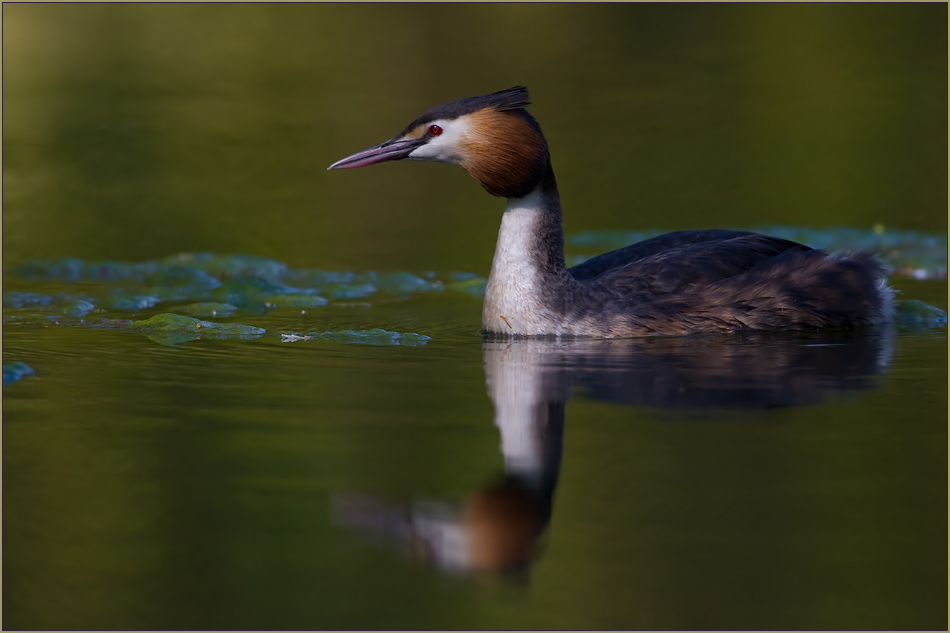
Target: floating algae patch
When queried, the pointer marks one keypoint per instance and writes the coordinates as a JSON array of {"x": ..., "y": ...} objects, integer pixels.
[
  {"x": 180, "y": 283},
  {"x": 293, "y": 301},
  {"x": 404, "y": 283},
  {"x": 909, "y": 253},
  {"x": 460, "y": 276},
  {"x": 230, "y": 266},
  {"x": 342, "y": 285},
  {"x": 12, "y": 372},
  {"x": 255, "y": 293},
  {"x": 171, "y": 329},
  {"x": 914, "y": 314},
  {"x": 207, "y": 309},
  {"x": 219, "y": 266},
  {"x": 125, "y": 302},
  {"x": 469, "y": 283},
  {"x": 165, "y": 328},
  {"x": 72, "y": 305},
  {"x": 75, "y": 306},
  {"x": 76, "y": 270},
  {"x": 350, "y": 291},
  {"x": 78, "y": 305},
  {"x": 317, "y": 278},
  {"x": 361, "y": 337},
  {"x": 244, "y": 282},
  {"x": 19, "y": 300}
]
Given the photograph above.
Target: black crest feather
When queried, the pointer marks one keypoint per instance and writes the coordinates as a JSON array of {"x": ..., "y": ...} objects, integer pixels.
[{"x": 509, "y": 99}]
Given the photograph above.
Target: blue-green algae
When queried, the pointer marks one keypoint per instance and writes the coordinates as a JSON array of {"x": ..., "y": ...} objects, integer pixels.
[
  {"x": 19, "y": 300},
  {"x": 180, "y": 282},
  {"x": 72, "y": 305},
  {"x": 164, "y": 328},
  {"x": 249, "y": 292},
  {"x": 77, "y": 306},
  {"x": 375, "y": 336},
  {"x": 915, "y": 314},
  {"x": 13, "y": 372},
  {"x": 316, "y": 278},
  {"x": 75, "y": 270},
  {"x": 404, "y": 283},
  {"x": 230, "y": 266},
  {"x": 343, "y": 292},
  {"x": 293, "y": 301},
  {"x": 171, "y": 329},
  {"x": 474, "y": 286},
  {"x": 207, "y": 309},
  {"x": 124, "y": 302}
]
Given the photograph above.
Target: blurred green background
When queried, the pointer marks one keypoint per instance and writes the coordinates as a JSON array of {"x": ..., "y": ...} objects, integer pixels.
[{"x": 135, "y": 131}]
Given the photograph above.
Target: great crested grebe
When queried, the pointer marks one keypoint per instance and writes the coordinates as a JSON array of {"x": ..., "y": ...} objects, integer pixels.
[{"x": 678, "y": 283}]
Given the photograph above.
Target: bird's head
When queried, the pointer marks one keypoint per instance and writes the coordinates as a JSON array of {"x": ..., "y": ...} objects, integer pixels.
[{"x": 492, "y": 136}]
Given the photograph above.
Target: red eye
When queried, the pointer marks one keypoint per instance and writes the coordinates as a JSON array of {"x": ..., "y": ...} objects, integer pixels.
[{"x": 434, "y": 130}]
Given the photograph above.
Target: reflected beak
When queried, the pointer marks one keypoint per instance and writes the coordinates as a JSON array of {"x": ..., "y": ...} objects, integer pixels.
[{"x": 390, "y": 150}]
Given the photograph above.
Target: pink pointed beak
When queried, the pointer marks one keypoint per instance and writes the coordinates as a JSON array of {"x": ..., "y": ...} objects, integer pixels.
[{"x": 390, "y": 150}]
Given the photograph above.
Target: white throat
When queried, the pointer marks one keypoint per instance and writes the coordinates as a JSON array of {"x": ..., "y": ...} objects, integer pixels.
[{"x": 513, "y": 300}]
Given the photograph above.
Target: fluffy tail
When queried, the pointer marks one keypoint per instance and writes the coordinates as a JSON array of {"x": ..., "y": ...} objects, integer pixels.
[{"x": 812, "y": 289}]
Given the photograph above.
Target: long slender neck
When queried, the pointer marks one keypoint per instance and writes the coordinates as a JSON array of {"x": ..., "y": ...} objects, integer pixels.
[
  {"x": 549, "y": 247},
  {"x": 528, "y": 267},
  {"x": 532, "y": 224}
]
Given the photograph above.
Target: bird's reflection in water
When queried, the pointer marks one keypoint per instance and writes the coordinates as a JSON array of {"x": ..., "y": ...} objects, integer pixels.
[{"x": 499, "y": 528}]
